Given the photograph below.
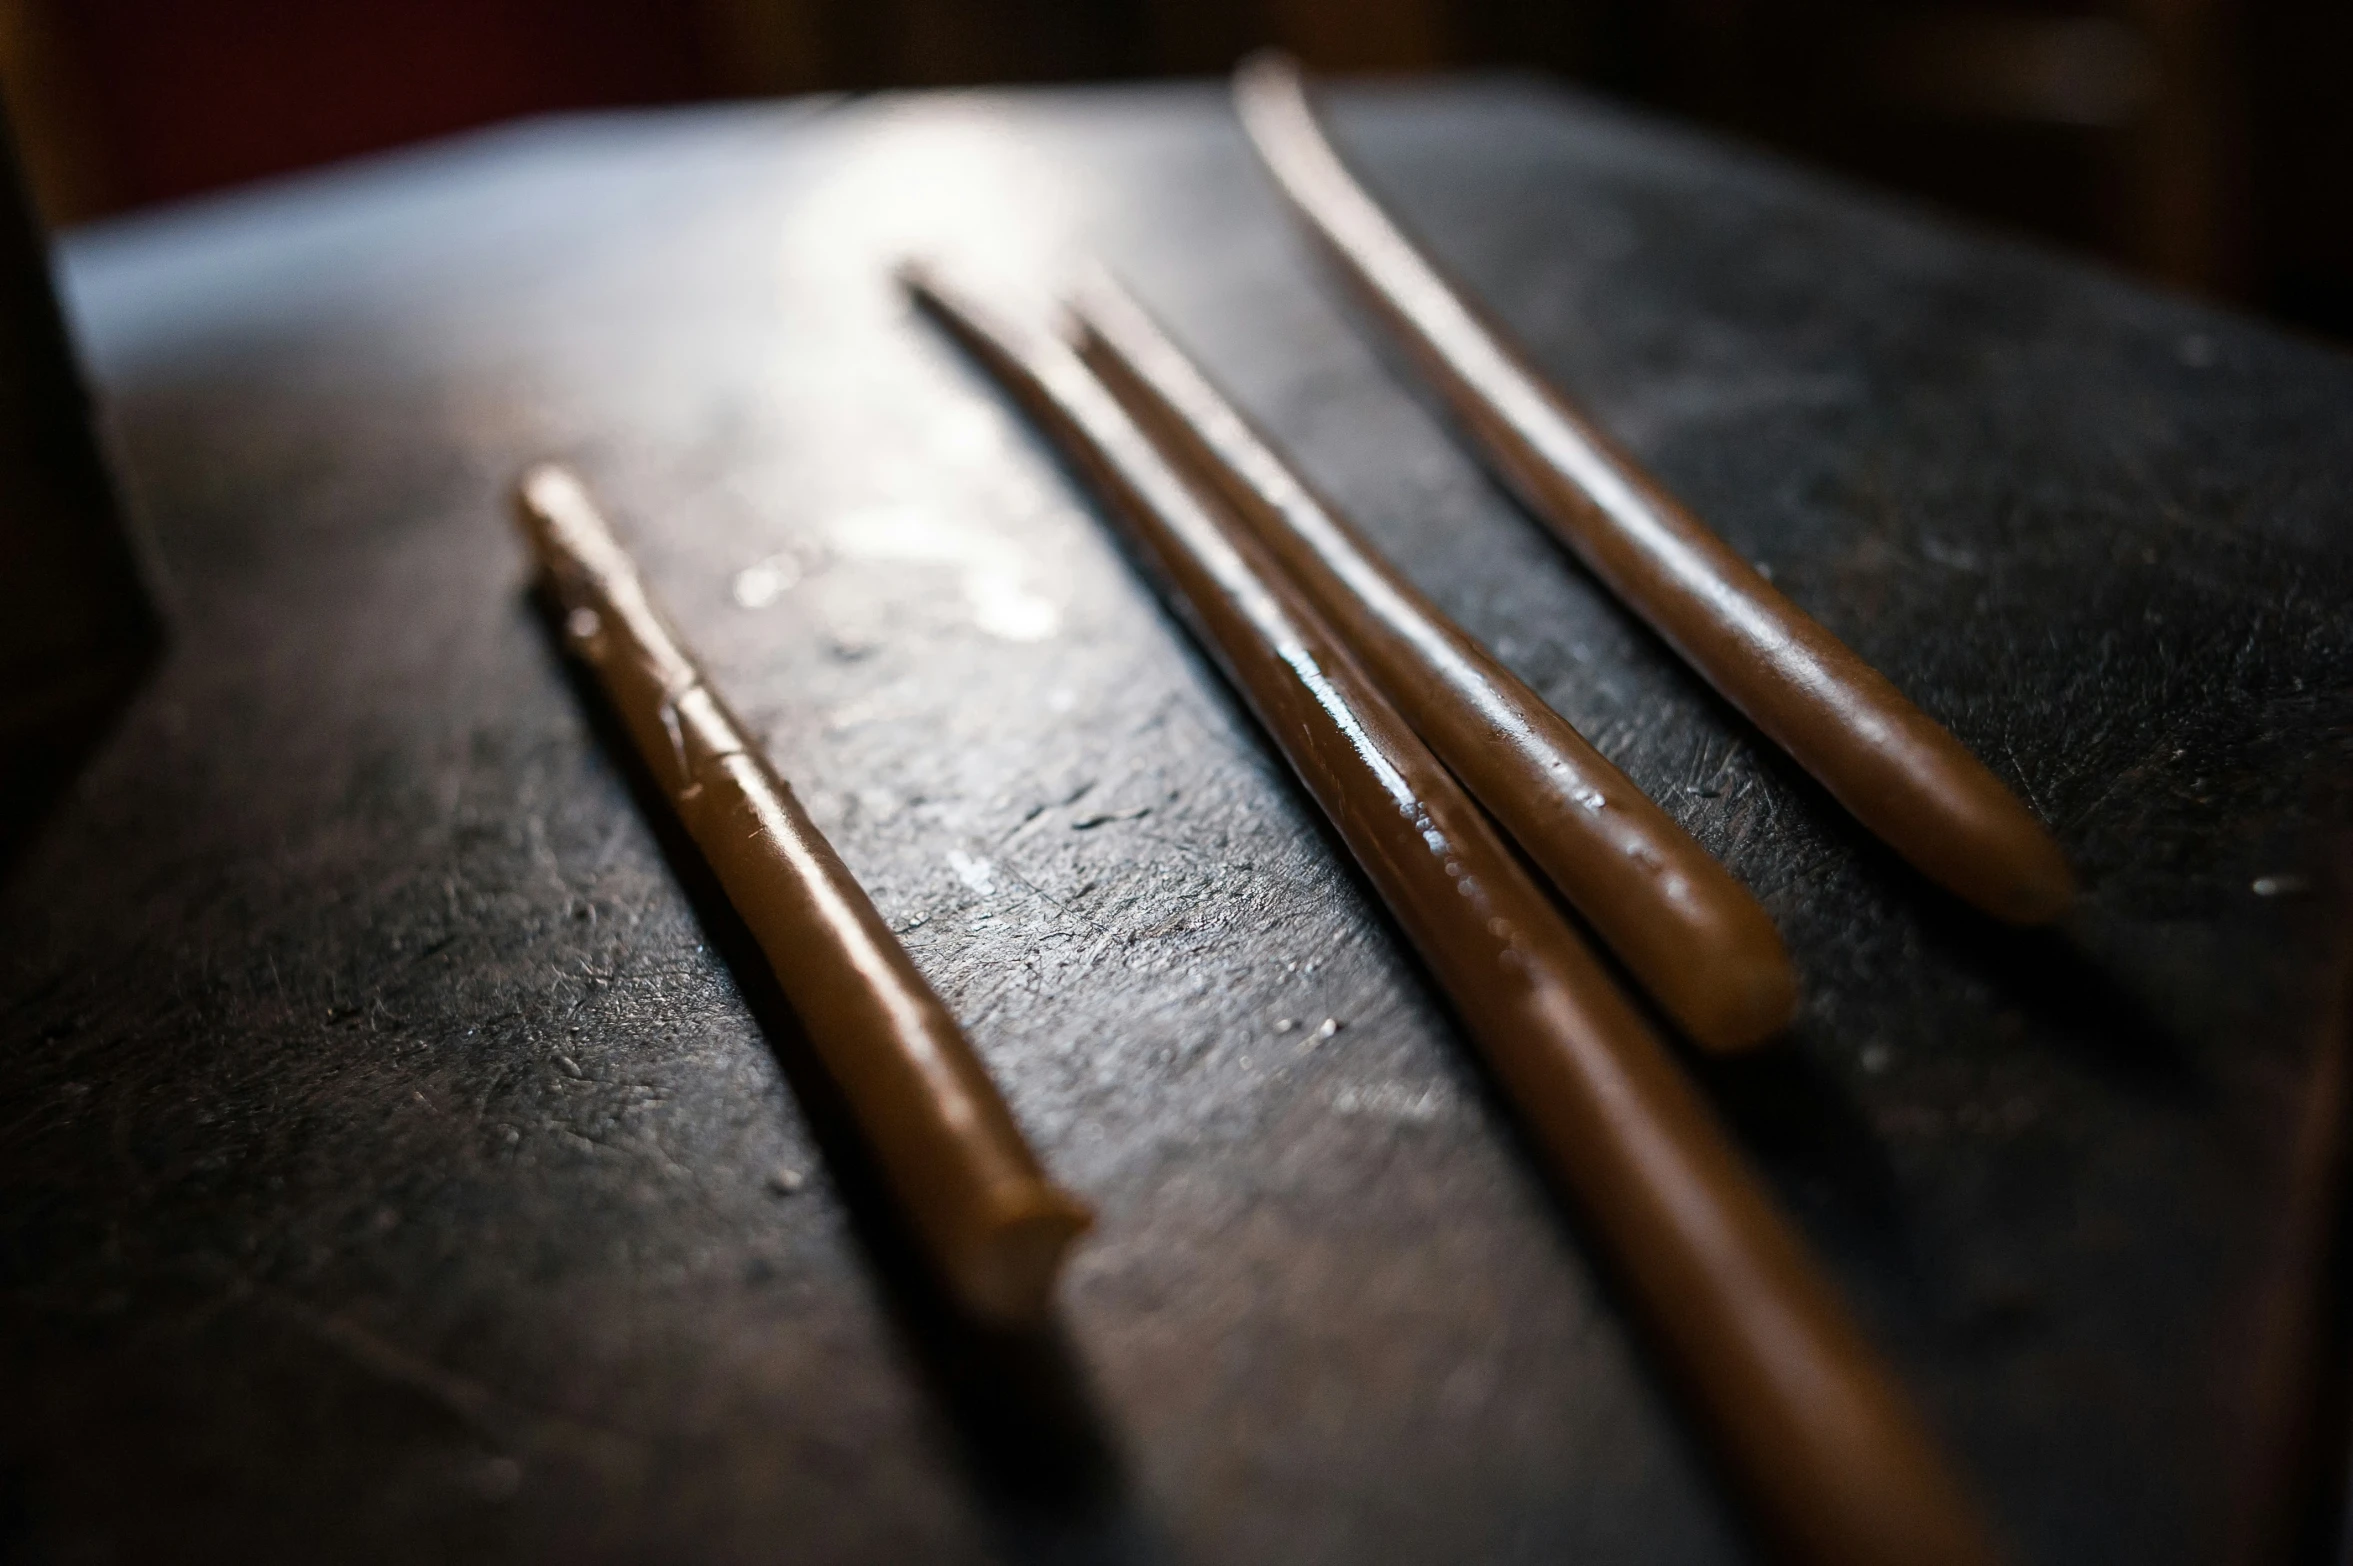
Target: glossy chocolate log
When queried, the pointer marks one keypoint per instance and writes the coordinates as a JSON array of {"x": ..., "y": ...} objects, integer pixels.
[
  {"x": 995, "y": 1226},
  {"x": 1830, "y": 1451},
  {"x": 1895, "y": 768},
  {"x": 1691, "y": 933}
]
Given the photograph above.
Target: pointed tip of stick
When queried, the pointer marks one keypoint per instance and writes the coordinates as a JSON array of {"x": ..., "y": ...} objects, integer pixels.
[
  {"x": 1268, "y": 68},
  {"x": 917, "y": 274}
]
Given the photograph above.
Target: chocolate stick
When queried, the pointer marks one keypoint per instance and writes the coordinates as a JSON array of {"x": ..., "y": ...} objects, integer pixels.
[
  {"x": 1830, "y": 1450},
  {"x": 1899, "y": 772},
  {"x": 1691, "y": 933},
  {"x": 991, "y": 1220}
]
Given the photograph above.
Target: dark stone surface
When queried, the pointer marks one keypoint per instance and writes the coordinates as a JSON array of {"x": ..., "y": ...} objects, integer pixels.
[{"x": 391, "y": 1164}]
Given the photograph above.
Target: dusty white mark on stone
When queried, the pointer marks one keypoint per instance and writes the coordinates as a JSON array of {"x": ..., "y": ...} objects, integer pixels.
[
  {"x": 994, "y": 576},
  {"x": 1396, "y": 1102},
  {"x": 766, "y": 580}
]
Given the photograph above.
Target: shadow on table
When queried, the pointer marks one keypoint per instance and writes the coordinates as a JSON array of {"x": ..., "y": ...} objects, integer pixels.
[
  {"x": 40, "y": 759},
  {"x": 1023, "y": 1413}
]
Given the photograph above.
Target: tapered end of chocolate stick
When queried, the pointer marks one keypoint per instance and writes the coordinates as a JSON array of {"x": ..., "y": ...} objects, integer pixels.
[
  {"x": 933, "y": 288},
  {"x": 915, "y": 274},
  {"x": 1270, "y": 98},
  {"x": 1267, "y": 71},
  {"x": 1987, "y": 846}
]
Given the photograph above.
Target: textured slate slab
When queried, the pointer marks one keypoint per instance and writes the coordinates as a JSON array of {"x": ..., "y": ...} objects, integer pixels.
[{"x": 393, "y": 1168}]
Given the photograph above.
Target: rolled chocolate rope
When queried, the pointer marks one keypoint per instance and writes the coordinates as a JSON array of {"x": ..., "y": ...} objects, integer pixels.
[
  {"x": 980, "y": 1203},
  {"x": 1896, "y": 769},
  {"x": 1693, "y": 935},
  {"x": 1827, "y": 1446}
]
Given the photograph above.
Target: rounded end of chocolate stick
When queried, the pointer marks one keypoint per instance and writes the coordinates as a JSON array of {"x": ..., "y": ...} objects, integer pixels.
[
  {"x": 1006, "y": 1275},
  {"x": 1743, "y": 1002},
  {"x": 1695, "y": 939},
  {"x": 2038, "y": 885}
]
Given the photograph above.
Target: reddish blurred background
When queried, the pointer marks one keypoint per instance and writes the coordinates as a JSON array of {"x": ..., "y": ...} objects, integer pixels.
[{"x": 2201, "y": 143}]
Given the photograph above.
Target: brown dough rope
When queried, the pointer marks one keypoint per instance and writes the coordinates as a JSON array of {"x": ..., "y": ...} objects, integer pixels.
[
  {"x": 1828, "y": 1447},
  {"x": 1899, "y": 772},
  {"x": 994, "y": 1225},
  {"x": 1693, "y": 935}
]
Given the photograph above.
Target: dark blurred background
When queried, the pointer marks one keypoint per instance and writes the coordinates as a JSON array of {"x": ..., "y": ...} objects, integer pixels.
[{"x": 2200, "y": 143}]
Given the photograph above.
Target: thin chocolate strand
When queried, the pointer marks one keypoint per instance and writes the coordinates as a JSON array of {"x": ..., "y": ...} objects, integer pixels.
[
  {"x": 1830, "y": 1451},
  {"x": 1690, "y": 932},
  {"x": 995, "y": 1226},
  {"x": 1899, "y": 772}
]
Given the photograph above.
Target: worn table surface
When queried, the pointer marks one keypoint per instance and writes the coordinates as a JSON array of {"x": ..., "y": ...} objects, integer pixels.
[{"x": 395, "y": 1167}]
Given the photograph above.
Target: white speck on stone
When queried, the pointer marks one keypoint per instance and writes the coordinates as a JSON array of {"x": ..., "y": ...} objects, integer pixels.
[
  {"x": 996, "y": 581},
  {"x": 786, "y": 1182},
  {"x": 1331, "y": 1026},
  {"x": 1948, "y": 555},
  {"x": 2279, "y": 885},
  {"x": 978, "y": 874},
  {"x": 764, "y": 581}
]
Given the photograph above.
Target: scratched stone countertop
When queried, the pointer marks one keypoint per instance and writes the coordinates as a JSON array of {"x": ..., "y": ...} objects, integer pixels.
[{"x": 401, "y": 1163}]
